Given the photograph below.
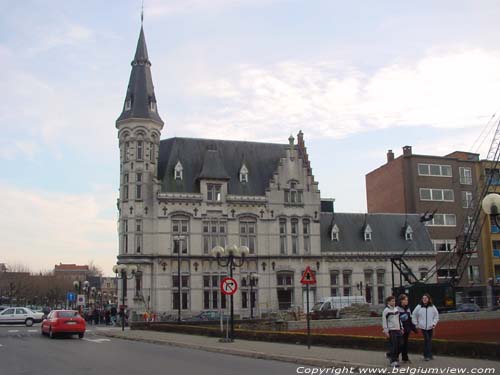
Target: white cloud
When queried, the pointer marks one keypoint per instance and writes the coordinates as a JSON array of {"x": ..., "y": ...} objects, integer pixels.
[
  {"x": 157, "y": 8},
  {"x": 41, "y": 229},
  {"x": 456, "y": 89}
]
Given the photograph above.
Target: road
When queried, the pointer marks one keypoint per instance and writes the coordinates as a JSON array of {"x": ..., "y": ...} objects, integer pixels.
[{"x": 24, "y": 351}]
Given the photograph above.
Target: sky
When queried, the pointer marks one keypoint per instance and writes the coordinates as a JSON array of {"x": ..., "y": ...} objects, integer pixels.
[{"x": 357, "y": 77}]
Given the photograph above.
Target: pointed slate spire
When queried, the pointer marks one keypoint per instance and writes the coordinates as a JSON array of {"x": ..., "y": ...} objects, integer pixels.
[{"x": 140, "y": 100}]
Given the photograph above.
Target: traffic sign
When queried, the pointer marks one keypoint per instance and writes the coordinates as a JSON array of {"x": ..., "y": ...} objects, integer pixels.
[
  {"x": 80, "y": 300},
  {"x": 308, "y": 277},
  {"x": 71, "y": 297},
  {"x": 228, "y": 286}
]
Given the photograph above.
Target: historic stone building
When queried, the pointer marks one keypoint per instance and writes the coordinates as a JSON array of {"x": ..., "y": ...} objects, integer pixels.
[{"x": 181, "y": 197}]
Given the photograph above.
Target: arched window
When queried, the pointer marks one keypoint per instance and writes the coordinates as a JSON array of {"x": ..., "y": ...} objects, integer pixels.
[
  {"x": 335, "y": 235},
  {"x": 178, "y": 171},
  {"x": 408, "y": 233},
  {"x": 368, "y": 233},
  {"x": 243, "y": 173}
]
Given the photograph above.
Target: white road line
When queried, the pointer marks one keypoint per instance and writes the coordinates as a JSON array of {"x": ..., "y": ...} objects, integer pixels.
[
  {"x": 98, "y": 341},
  {"x": 32, "y": 330},
  {"x": 13, "y": 330}
]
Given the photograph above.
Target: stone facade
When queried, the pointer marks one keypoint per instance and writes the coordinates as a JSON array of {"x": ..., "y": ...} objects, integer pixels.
[{"x": 181, "y": 197}]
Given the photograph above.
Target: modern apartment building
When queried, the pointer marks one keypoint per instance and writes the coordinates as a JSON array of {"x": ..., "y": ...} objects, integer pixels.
[{"x": 446, "y": 185}]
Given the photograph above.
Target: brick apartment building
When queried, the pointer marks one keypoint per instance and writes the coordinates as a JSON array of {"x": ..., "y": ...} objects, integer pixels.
[{"x": 414, "y": 183}]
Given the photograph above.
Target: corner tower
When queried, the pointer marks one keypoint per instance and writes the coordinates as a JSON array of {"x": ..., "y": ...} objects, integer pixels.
[{"x": 139, "y": 128}]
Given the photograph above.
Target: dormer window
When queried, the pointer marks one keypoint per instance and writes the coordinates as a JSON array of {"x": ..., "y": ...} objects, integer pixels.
[
  {"x": 178, "y": 171},
  {"x": 243, "y": 173},
  {"x": 152, "y": 106},
  {"x": 335, "y": 233},
  {"x": 408, "y": 233},
  {"x": 128, "y": 105},
  {"x": 368, "y": 233}
]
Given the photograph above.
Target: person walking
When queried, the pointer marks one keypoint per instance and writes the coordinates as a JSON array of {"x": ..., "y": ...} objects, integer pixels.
[
  {"x": 407, "y": 325},
  {"x": 425, "y": 317},
  {"x": 392, "y": 329}
]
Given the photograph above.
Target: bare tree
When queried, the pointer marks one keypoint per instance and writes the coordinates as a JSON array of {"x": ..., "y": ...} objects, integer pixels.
[{"x": 94, "y": 269}]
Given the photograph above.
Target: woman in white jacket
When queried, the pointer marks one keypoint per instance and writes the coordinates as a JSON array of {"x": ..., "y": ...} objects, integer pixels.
[{"x": 425, "y": 317}]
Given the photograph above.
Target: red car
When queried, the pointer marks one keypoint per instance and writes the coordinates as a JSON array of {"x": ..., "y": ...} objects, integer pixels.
[{"x": 63, "y": 322}]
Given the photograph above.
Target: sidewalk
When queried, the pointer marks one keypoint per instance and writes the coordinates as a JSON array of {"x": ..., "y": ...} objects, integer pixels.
[{"x": 316, "y": 356}]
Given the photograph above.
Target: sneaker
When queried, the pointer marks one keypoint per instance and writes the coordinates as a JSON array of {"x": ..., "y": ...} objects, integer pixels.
[
  {"x": 394, "y": 364},
  {"x": 406, "y": 361},
  {"x": 426, "y": 359}
]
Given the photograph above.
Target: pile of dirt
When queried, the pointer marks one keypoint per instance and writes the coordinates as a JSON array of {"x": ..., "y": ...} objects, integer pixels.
[{"x": 356, "y": 310}]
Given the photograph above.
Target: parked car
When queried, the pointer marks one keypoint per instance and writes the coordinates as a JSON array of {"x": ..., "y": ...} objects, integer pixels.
[
  {"x": 466, "y": 307},
  {"x": 63, "y": 322},
  {"x": 20, "y": 315}
]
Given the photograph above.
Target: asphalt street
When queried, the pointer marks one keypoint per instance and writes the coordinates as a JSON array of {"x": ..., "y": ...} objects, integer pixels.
[{"x": 24, "y": 350}]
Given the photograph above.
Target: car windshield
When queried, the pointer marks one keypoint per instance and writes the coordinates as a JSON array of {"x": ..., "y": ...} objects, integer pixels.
[
  {"x": 67, "y": 314},
  {"x": 317, "y": 306}
]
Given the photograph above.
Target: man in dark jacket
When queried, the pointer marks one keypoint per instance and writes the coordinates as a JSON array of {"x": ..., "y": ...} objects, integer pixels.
[{"x": 406, "y": 323}]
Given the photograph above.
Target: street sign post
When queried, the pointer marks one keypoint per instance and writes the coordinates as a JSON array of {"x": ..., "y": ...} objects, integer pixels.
[
  {"x": 228, "y": 286},
  {"x": 80, "y": 300},
  {"x": 308, "y": 278},
  {"x": 70, "y": 299}
]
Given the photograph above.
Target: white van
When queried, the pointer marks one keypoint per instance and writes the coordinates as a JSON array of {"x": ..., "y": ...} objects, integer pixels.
[{"x": 329, "y": 307}]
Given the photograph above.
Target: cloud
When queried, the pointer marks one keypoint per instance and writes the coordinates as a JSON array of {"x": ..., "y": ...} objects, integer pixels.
[
  {"x": 161, "y": 7},
  {"x": 443, "y": 90},
  {"x": 40, "y": 229},
  {"x": 56, "y": 35}
]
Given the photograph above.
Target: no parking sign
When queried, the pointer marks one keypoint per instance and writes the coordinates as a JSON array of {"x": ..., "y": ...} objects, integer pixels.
[
  {"x": 228, "y": 286},
  {"x": 80, "y": 300}
]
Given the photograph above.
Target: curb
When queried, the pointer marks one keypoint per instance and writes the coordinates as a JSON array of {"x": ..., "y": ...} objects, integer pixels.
[{"x": 309, "y": 361}]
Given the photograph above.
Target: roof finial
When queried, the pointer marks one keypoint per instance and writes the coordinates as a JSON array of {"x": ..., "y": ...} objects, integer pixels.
[{"x": 142, "y": 13}]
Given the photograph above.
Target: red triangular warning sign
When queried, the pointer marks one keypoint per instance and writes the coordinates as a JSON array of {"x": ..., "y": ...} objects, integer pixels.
[{"x": 308, "y": 277}]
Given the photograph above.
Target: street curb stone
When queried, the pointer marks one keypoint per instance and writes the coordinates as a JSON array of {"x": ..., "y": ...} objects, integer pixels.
[{"x": 309, "y": 361}]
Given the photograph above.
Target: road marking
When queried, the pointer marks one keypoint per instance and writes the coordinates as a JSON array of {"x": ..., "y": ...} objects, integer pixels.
[
  {"x": 13, "y": 330},
  {"x": 98, "y": 341},
  {"x": 32, "y": 330}
]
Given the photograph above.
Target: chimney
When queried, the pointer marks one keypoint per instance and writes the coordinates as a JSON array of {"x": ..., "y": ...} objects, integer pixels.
[
  {"x": 390, "y": 156},
  {"x": 407, "y": 150}
]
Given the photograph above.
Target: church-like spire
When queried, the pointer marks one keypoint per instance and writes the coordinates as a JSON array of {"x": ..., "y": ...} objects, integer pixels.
[{"x": 140, "y": 100}]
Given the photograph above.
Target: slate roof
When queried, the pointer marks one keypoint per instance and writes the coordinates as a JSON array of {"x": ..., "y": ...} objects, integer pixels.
[
  {"x": 223, "y": 162},
  {"x": 140, "y": 91},
  {"x": 388, "y": 233}
]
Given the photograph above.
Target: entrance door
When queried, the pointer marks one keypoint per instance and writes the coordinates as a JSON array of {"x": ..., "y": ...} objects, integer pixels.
[{"x": 312, "y": 298}]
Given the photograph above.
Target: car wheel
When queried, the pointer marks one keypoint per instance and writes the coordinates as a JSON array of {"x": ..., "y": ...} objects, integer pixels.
[
  {"x": 80, "y": 335},
  {"x": 29, "y": 322},
  {"x": 51, "y": 334}
]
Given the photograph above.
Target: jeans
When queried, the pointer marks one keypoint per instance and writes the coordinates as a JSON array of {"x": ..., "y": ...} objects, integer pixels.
[
  {"x": 395, "y": 340},
  {"x": 404, "y": 345},
  {"x": 427, "y": 343}
]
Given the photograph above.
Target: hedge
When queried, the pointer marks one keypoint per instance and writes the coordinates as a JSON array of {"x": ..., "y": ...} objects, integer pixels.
[{"x": 484, "y": 350}]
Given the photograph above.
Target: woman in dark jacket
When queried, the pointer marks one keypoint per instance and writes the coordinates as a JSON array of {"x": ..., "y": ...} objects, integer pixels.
[{"x": 406, "y": 323}]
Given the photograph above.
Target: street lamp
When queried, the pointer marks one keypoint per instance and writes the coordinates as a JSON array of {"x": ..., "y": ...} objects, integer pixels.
[
  {"x": 124, "y": 272},
  {"x": 252, "y": 278},
  {"x": 232, "y": 256},
  {"x": 79, "y": 285},
  {"x": 491, "y": 205}
]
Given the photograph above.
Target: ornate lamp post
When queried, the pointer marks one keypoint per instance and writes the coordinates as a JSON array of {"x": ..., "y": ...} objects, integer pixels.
[
  {"x": 124, "y": 272},
  {"x": 232, "y": 256},
  {"x": 79, "y": 286}
]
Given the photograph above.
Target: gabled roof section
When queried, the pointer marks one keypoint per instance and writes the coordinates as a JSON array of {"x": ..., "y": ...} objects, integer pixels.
[
  {"x": 387, "y": 228},
  {"x": 140, "y": 99},
  {"x": 213, "y": 168},
  {"x": 261, "y": 159}
]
